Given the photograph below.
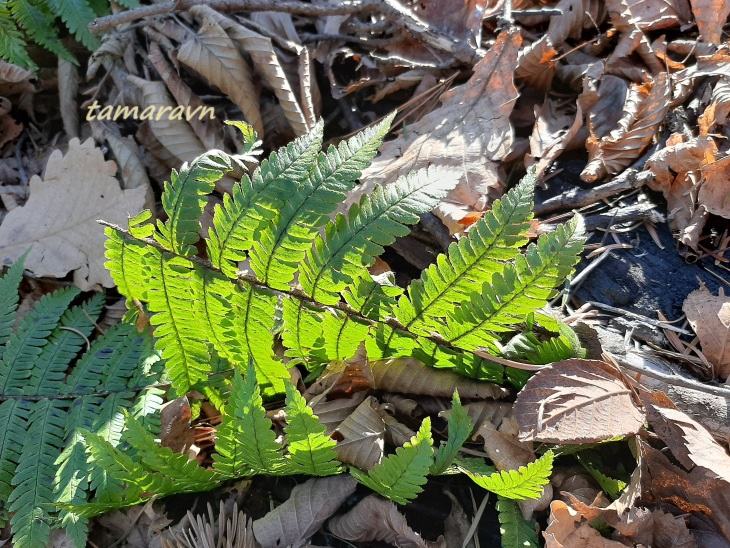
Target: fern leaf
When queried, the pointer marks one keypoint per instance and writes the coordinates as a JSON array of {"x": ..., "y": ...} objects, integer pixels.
[
  {"x": 77, "y": 15},
  {"x": 184, "y": 199},
  {"x": 526, "y": 483},
  {"x": 494, "y": 239},
  {"x": 183, "y": 474},
  {"x": 311, "y": 451},
  {"x": 9, "y": 284},
  {"x": 12, "y": 42},
  {"x": 459, "y": 428},
  {"x": 24, "y": 346},
  {"x": 515, "y": 531},
  {"x": 523, "y": 288},
  {"x": 33, "y": 479},
  {"x": 127, "y": 264},
  {"x": 39, "y": 24},
  {"x": 246, "y": 443},
  {"x": 278, "y": 253},
  {"x": 125, "y": 471},
  {"x": 14, "y": 418},
  {"x": 399, "y": 477},
  {"x": 256, "y": 199}
]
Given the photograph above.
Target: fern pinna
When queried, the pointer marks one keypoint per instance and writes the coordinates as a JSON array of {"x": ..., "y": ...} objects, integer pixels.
[{"x": 48, "y": 394}]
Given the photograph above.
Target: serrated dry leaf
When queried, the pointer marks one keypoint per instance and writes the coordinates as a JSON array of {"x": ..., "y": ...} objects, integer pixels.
[
  {"x": 470, "y": 131},
  {"x": 711, "y": 16},
  {"x": 576, "y": 401},
  {"x": 214, "y": 55},
  {"x": 709, "y": 316},
  {"x": 174, "y": 135},
  {"x": 265, "y": 60},
  {"x": 303, "y": 513},
  {"x": 361, "y": 436},
  {"x": 208, "y": 130},
  {"x": 59, "y": 218},
  {"x": 375, "y": 518},
  {"x": 644, "y": 111}
]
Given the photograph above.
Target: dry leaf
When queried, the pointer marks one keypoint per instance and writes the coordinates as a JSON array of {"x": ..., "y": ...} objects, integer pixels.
[
  {"x": 175, "y": 430},
  {"x": 709, "y": 316},
  {"x": 375, "y": 518},
  {"x": 714, "y": 193},
  {"x": 535, "y": 65},
  {"x": 648, "y": 15},
  {"x": 68, "y": 88},
  {"x": 711, "y": 16},
  {"x": 303, "y": 513},
  {"x": 361, "y": 436},
  {"x": 552, "y": 132},
  {"x": 568, "y": 529},
  {"x": 576, "y": 401},
  {"x": 59, "y": 219},
  {"x": 643, "y": 113},
  {"x": 470, "y": 131},
  {"x": 214, "y": 55}
]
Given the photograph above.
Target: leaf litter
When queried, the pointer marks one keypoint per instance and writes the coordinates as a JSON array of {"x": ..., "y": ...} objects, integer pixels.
[{"x": 637, "y": 89}]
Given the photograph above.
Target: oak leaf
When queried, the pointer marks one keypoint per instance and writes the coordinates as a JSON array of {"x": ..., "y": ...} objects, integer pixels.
[{"x": 59, "y": 219}]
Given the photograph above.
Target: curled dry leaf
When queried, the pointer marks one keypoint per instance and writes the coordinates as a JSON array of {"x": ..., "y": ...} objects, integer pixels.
[
  {"x": 267, "y": 63},
  {"x": 68, "y": 88},
  {"x": 644, "y": 111},
  {"x": 59, "y": 218},
  {"x": 174, "y": 134},
  {"x": 208, "y": 130},
  {"x": 535, "y": 65},
  {"x": 409, "y": 376},
  {"x": 303, "y": 513},
  {"x": 375, "y": 518},
  {"x": 553, "y": 130},
  {"x": 576, "y": 401},
  {"x": 568, "y": 529},
  {"x": 709, "y": 316},
  {"x": 214, "y": 55},
  {"x": 648, "y": 15},
  {"x": 361, "y": 436},
  {"x": 471, "y": 131}
]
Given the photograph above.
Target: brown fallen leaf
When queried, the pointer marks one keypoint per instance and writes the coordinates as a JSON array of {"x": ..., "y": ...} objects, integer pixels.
[
  {"x": 576, "y": 401},
  {"x": 709, "y": 316},
  {"x": 375, "y": 518},
  {"x": 711, "y": 16},
  {"x": 59, "y": 218},
  {"x": 648, "y": 15},
  {"x": 471, "y": 131},
  {"x": 714, "y": 194},
  {"x": 303, "y": 513},
  {"x": 361, "y": 436},
  {"x": 568, "y": 529}
]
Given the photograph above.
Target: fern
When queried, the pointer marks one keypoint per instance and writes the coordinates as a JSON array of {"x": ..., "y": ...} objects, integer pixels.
[
  {"x": 400, "y": 476},
  {"x": 515, "y": 530},
  {"x": 459, "y": 428},
  {"x": 43, "y": 407},
  {"x": 526, "y": 483}
]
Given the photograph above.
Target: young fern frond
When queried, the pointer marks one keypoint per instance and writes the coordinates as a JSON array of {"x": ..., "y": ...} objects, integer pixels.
[
  {"x": 38, "y": 22},
  {"x": 399, "y": 477},
  {"x": 310, "y": 450},
  {"x": 43, "y": 407},
  {"x": 459, "y": 429},
  {"x": 515, "y": 530},
  {"x": 526, "y": 483}
]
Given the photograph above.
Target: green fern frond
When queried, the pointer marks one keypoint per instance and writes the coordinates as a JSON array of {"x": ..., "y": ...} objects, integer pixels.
[
  {"x": 12, "y": 43},
  {"x": 77, "y": 14},
  {"x": 310, "y": 450},
  {"x": 494, "y": 239},
  {"x": 399, "y": 477},
  {"x": 459, "y": 430},
  {"x": 519, "y": 290},
  {"x": 9, "y": 299},
  {"x": 184, "y": 200},
  {"x": 257, "y": 199},
  {"x": 526, "y": 483},
  {"x": 35, "y": 19},
  {"x": 515, "y": 531},
  {"x": 276, "y": 256},
  {"x": 246, "y": 443}
]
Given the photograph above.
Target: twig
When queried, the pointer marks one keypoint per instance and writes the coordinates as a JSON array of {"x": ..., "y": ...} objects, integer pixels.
[
  {"x": 577, "y": 198},
  {"x": 641, "y": 211},
  {"x": 343, "y": 7},
  {"x": 639, "y": 318}
]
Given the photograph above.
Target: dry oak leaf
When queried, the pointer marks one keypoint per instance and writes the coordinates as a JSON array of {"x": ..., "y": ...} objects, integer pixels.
[
  {"x": 576, "y": 401},
  {"x": 709, "y": 316},
  {"x": 59, "y": 219},
  {"x": 470, "y": 131}
]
